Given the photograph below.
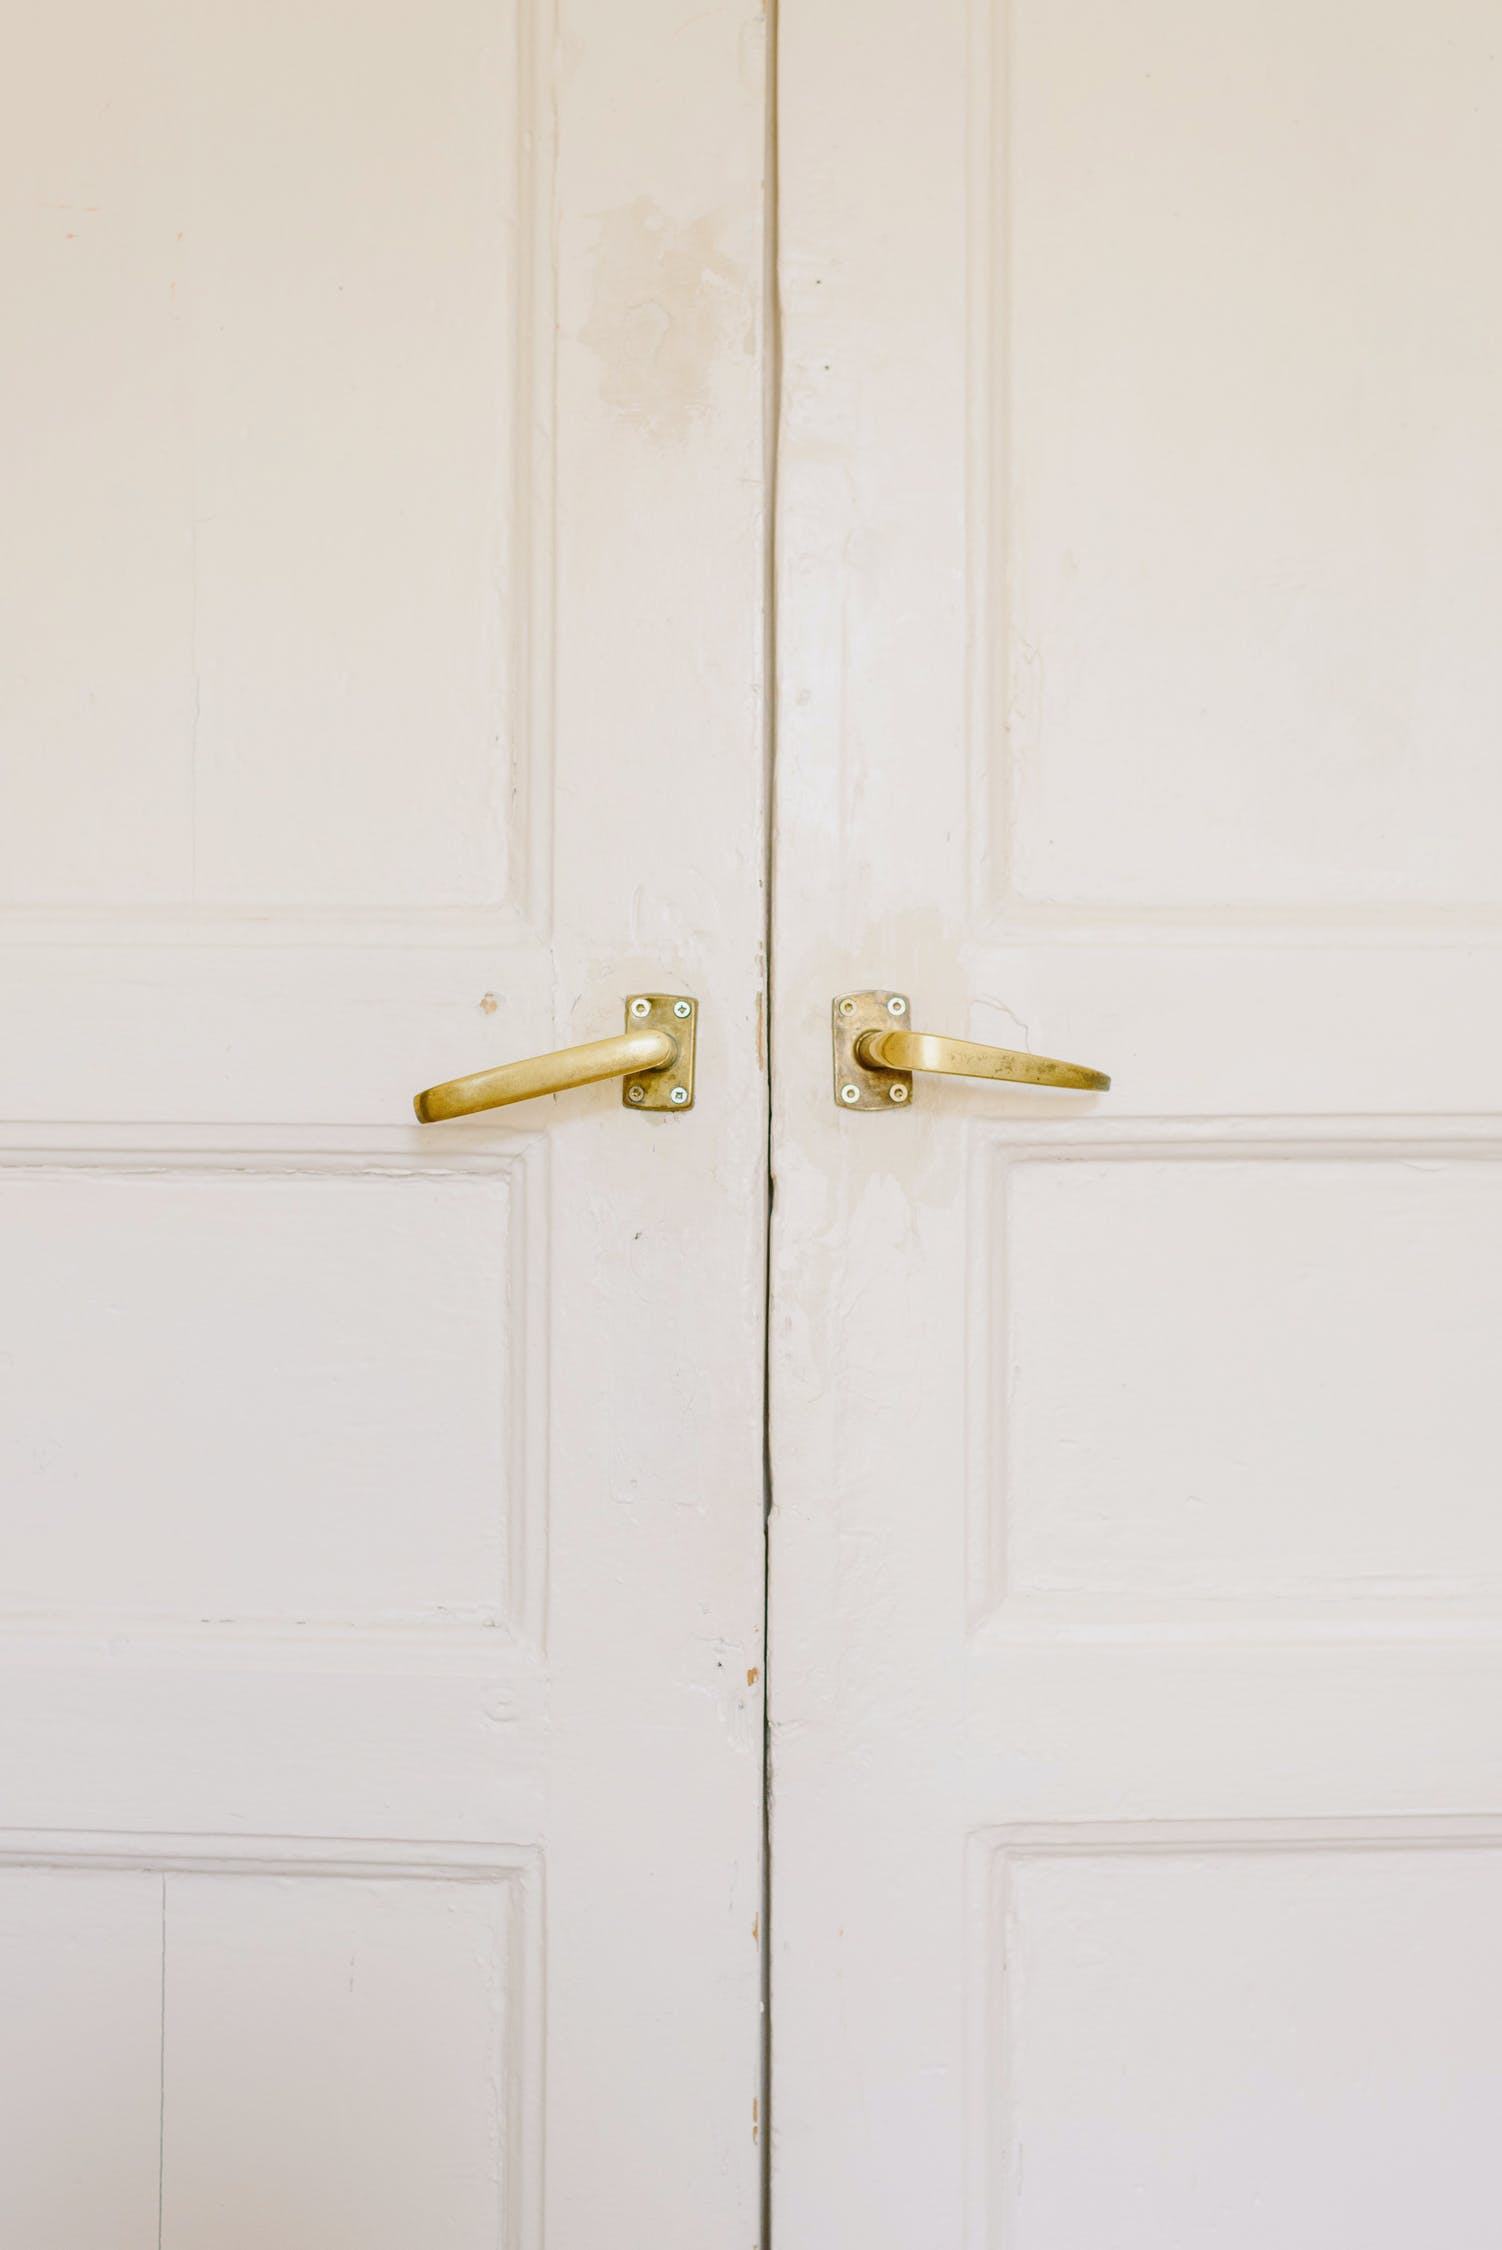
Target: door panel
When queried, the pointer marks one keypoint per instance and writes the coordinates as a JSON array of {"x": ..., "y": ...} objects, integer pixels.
[
  {"x": 80, "y": 2063},
  {"x": 368, "y": 2025},
  {"x": 380, "y": 1639},
  {"x": 301, "y": 241},
  {"x": 1136, "y": 1635},
  {"x": 1147, "y": 1441},
  {"x": 406, "y": 1296},
  {"x": 1186, "y": 2042}
]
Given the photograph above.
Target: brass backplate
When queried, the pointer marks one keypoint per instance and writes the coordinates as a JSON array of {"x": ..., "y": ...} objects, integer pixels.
[
  {"x": 859, "y": 1085},
  {"x": 671, "y": 1088}
]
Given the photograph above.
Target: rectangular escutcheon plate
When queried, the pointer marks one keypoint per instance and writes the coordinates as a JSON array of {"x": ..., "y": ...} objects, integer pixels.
[
  {"x": 672, "y": 1088},
  {"x": 859, "y": 1085}
]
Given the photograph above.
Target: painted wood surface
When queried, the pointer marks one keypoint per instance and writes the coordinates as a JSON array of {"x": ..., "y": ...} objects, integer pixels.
[
  {"x": 381, "y": 1560},
  {"x": 1137, "y": 1642}
]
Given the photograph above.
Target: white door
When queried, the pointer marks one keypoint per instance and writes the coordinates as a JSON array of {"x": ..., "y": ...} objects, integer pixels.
[
  {"x": 1137, "y": 1553},
  {"x": 380, "y": 1549}
]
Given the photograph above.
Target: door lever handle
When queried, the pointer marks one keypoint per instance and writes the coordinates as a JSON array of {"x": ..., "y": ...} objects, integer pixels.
[
  {"x": 654, "y": 1055},
  {"x": 876, "y": 1054}
]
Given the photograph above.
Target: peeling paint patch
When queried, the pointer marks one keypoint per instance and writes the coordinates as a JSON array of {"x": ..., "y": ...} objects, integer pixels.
[{"x": 667, "y": 299}]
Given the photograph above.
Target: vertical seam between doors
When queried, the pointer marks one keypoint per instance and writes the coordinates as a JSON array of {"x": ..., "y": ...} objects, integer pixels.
[
  {"x": 771, "y": 419},
  {"x": 161, "y": 2106}
]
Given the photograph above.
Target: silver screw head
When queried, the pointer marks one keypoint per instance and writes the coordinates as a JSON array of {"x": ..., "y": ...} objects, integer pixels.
[
  {"x": 678, "y": 1096},
  {"x": 636, "y": 1094},
  {"x": 683, "y": 1008},
  {"x": 847, "y": 1007},
  {"x": 896, "y": 1006},
  {"x": 850, "y": 1094},
  {"x": 641, "y": 1007},
  {"x": 897, "y": 1093}
]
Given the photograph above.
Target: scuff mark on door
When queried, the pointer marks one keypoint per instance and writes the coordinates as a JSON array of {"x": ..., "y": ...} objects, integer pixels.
[{"x": 667, "y": 298}]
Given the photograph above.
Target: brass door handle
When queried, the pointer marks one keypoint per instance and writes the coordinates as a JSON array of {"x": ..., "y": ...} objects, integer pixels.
[
  {"x": 654, "y": 1055},
  {"x": 875, "y": 1055}
]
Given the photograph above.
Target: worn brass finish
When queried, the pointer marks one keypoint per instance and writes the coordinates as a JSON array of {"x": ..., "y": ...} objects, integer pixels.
[
  {"x": 545, "y": 1074},
  {"x": 858, "y": 1084},
  {"x": 647, "y": 1055},
  {"x": 671, "y": 1084},
  {"x": 876, "y": 1055},
  {"x": 961, "y": 1058}
]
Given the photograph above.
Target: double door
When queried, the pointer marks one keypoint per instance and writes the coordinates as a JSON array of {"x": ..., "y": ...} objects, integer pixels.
[{"x": 505, "y": 547}]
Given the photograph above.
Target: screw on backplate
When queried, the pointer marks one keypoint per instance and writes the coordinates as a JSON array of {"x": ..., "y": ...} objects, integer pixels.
[
  {"x": 850, "y": 1094},
  {"x": 678, "y": 1096},
  {"x": 683, "y": 1008},
  {"x": 847, "y": 1007},
  {"x": 896, "y": 1006},
  {"x": 641, "y": 1007},
  {"x": 897, "y": 1093},
  {"x": 636, "y": 1093}
]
